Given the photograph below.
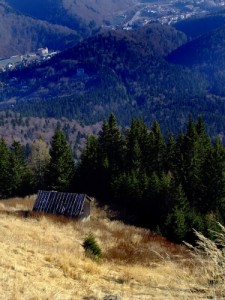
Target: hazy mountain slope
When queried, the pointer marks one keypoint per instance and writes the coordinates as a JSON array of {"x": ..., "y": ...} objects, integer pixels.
[
  {"x": 123, "y": 72},
  {"x": 27, "y": 25},
  {"x": 21, "y": 34},
  {"x": 207, "y": 55},
  {"x": 195, "y": 27},
  {"x": 98, "y": 9},
  {"x": 69, "y": 12},
  {"x": 50, "y": 11}
]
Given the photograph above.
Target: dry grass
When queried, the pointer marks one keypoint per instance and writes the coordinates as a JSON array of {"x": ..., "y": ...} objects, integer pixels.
[
  {"x": 42, "y": 258},
  {"x": 210, "y": 256}
]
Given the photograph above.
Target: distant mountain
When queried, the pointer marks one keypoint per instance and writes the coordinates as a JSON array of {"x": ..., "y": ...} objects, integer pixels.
[
  {"x": 21, "y": 34},
  {"x": 205, "y": 54},
  {"x": 197, "y": 26},
  {"x": 151, "y": 72},
  {"x": 70, "y": 12},
  {"x": 117, "y": 71},
  {"x": 27, "y": 25}
]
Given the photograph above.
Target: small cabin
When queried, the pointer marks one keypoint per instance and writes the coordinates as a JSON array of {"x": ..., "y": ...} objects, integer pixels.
[{"x": 67, "y": 204}]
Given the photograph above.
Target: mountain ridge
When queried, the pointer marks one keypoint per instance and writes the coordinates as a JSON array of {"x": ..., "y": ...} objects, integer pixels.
[
  {"x": 21, "y": 34},
  {"x": 122, "y": 70}
]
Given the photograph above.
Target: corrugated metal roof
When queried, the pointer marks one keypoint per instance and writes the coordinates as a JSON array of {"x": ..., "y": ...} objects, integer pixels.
[{"x": 67, "y": 204}]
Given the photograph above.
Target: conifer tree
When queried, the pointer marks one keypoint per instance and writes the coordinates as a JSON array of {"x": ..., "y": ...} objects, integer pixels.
[
  {"x": 38, "y": 160},
  {"x": 60, "y": 169},
  {"x": 88, "y": 173},
  {"x": 156, "y": 154},
  {"x": 19, "y": 172},
  {"x": 193, "y": 154},
  {"x": 170, "y": 154},
  {"x": 137, "y": 142},
  {"x": 5, "y": 184},
  {"x": 111, "y": 144},
  {"x": 176, "y": 225},
  {"x": 91, "y": 247},
  {"x": 213, "y": 185}
]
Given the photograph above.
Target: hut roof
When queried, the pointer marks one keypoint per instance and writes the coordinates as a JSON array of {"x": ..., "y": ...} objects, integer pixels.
[{"x": 67, "y": 204}]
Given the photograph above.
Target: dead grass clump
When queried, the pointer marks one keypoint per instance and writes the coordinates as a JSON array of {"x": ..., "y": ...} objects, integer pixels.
[
  {"x": 123, "y": 251},
  {"x": 210, "y": 262},
  {"x": 17, "y": 203},
  {"x": 133, "y": 245}
]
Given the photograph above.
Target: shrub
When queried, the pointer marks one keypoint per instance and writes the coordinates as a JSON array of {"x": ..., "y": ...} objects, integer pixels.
[
  {"x": 91, "y": 247},
  {"x": 211, "y": 255}
]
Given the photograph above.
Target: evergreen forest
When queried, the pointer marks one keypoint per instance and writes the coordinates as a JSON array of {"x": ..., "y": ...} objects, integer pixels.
[{"x": 170, "y": 184}]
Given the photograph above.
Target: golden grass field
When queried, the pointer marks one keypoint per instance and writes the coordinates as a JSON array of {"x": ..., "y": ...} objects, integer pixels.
[{"x": 41, "y": 257}]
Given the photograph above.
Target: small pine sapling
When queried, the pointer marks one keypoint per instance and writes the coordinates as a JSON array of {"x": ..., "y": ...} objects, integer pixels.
[{"x": 91, "y": 247}]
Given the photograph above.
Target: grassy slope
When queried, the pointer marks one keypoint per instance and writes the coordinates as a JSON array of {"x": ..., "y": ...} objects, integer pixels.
[{"x": 42, "y": 258}]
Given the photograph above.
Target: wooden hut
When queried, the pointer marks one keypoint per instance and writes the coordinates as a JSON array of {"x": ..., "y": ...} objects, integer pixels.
[{"x": 67, "y": 204}]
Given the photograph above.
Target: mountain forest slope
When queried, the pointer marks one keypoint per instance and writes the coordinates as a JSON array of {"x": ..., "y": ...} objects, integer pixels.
[
  {"x": 206, "y": 54},
  {"x": 154, "y": 72},
  {"x": 46, "y": 252},
  {"x": 197, "y": 26},
  {"x": 63, "y": 11},
  {"x": 120, "y": 70},
  {"x": 21, "y": 34}
]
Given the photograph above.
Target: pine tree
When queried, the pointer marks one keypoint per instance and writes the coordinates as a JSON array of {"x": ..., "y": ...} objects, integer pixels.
[
  {"x": 195, "y": 147},
  {"x": 38, "y": 160},
  {"x": 176, "y": 225},
  {"x": 170, "y": 154},
  {"x": 159, "y": 198},
  {"x": 111, "y": 144},
  {"x": 60, "y": 170},
  {"x": 137, "y": 144},
  {"x": 213, "y": 186},
  {"x": 88, "y": 173},
  {"x": 157, "y": 147},
  {"x": 20, "y": 179},
  {"x": 91, "y": 247},
  {"x": 5, "y": 174}
]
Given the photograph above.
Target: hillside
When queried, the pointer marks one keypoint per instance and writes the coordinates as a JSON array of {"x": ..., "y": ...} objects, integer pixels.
[
  {"x": 120, "y": 71},
  {"x": 42, "y": 257},
  {"x": 126, "y": 72},
  {"x": 197, "y": 26},
  {"x": 58, "y": 25},
  {"x": 28, "y": 129},
  {"x": 65, "y": 11},
  {"x": 205, "y": 54},
  {"x": 21, "y": 34}
]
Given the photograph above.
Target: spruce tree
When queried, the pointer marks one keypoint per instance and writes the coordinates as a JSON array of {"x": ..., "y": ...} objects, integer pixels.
[
  {"x": 157, "y": 147},
  {"x": 60, "y": 169},
  {"x": 91, "y": 247},
  {"x": 38, "y": 160},
  {"x": 193, "y": 159},
  {"x": 170, "y": 154},
  {"x": 5, "y": 174},
  {"x": 137, "y": 145},
  {"x": 111, "y": 143},
  {"x": 176, "y": 225},
  {"x": 20, "y": 179},
  {"x": 213, "y": 183},
  {"x": 88, "y": 173}
]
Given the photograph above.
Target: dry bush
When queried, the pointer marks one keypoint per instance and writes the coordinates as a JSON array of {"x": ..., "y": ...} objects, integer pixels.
[
  {"x": 18, "y": 203},
  {"x": 210, "y": 262}
]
